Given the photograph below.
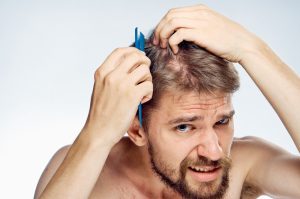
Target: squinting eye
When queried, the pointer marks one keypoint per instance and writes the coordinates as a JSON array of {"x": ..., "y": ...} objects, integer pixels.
[
  {"x": 223, "y": 121},
  {"x": 183, "y": 128}
]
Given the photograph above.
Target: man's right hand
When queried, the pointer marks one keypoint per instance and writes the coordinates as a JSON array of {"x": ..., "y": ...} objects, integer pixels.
[{"x": 121, "y": 83}]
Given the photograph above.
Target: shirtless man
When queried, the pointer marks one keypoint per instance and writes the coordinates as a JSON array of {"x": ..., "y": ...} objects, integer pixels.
[{"x": 185, "y": 148}]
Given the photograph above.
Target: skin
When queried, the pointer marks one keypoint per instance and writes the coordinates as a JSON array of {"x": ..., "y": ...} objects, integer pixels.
[
  {"x": 204, "y": 136},
  {"x": 102, "y": 164}
]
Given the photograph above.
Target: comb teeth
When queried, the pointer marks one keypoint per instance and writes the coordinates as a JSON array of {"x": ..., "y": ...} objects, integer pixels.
[
  {"x": 139, "y": 40},
  {"x": 139, "y": 43}
]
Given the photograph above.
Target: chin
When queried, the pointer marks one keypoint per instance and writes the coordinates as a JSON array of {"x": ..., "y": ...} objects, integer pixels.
[{"x": 215, "y": 189}]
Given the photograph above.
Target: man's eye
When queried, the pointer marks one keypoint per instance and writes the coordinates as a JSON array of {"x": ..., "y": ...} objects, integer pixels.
[
  {"x": 183, "y": 128},
  {"x": 223, "y": 121}
]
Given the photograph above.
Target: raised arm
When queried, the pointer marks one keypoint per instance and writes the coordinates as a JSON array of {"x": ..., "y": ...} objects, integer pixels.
[
  {"x": 229, "y": 40},
  {"x": 121, "y": 83},
  {"x": 272, "y": 169}
]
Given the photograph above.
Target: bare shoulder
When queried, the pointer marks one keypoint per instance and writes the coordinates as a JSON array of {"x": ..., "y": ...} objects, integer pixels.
[
  {"x": 250, "y": 150},
  {"x": 255, "y": 146},
  {"x": 60, "y": 155},
  {"x": 50, "y": 169},
  {"x": 265, "y": 165}
]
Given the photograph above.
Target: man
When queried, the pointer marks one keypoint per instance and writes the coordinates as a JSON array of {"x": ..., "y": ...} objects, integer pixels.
[{"x": 185, "y": 148}]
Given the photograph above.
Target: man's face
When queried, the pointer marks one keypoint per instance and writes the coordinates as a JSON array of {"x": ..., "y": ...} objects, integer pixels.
[{"x": 190, "y": 137}]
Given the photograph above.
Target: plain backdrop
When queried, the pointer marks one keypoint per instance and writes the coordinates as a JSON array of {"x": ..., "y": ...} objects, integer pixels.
[{"x": 49, "y": 51}]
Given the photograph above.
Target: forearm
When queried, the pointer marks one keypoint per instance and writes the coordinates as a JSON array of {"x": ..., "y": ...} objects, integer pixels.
[
  {"x": 78, "y": 173},
  {"x": 118, "y": 89},
  {"x": 279, "y": 84}
]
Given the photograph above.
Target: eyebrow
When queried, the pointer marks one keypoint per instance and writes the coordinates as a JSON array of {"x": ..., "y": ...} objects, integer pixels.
[
  {"x": 185, "y": 119},
  {"x": 227, "y": 115},
  {"x": 197, "y": 117}
]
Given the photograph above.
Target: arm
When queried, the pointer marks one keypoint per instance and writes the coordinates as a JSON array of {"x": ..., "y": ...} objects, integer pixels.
[
  {"x": 121, "y": 83},
  {"x": 229, "y": 40},
  {"x": 271, "y": 168},
  {"x": 279, "y": 84}
]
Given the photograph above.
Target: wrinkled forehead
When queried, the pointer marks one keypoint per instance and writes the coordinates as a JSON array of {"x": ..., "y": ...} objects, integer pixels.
[{"x": 178, "y": 100}]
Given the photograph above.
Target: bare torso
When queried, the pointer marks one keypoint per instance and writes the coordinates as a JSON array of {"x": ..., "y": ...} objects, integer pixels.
[{"x": 120, "y": 179}]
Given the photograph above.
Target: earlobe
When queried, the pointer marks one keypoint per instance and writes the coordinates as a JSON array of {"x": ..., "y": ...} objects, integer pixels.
[{"x": 136, "y": 133}]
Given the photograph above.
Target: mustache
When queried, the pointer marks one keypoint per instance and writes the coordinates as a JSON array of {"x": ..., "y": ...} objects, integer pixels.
[{"x": 224, "y": 162}]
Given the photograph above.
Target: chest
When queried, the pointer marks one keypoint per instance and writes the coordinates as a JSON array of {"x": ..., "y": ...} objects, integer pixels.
[
  {"x": 122, "y": 189},
  {"x": 116, "y": 185}
]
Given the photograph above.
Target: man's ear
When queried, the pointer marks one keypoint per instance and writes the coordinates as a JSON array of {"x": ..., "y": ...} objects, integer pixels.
[{"x": 136, "y": 133}]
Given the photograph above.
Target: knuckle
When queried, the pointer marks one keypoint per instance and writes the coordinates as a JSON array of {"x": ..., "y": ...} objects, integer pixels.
[
  {"x": 119, "y": 50},
  {"x": 179, "y": 32},
  {"x": 172, "y": 10},
  {"x": 97, "y": 75},
  {"x": 109, "y": 79},
  {"x": 145, "y": 60},
  {"x": 136, "y": 55},
  {"x": 204, "y": 12},
  {"x": 173, "y": 22},
  {"x": 170, "y": 14}
]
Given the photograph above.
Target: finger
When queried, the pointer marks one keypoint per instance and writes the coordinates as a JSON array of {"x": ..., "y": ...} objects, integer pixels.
[
  {"x": 180, "y": 35},
  {"x": 173, "y": 25},
  {"x": 132, "y": 61},
  {"x": 171, "y": 14},
  {"x": 140, "y": 74},
  {"x": 145, "y": 91},
  {"x": 113, "y": 60},
  {"x": 184, "y": 12}
]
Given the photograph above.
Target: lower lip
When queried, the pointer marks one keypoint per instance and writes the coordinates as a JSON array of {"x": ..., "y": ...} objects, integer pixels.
[{"x": 205, "y": 176}]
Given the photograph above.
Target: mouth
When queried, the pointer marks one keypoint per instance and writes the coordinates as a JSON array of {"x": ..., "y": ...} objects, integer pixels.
[{"x": 204, "y": 173}]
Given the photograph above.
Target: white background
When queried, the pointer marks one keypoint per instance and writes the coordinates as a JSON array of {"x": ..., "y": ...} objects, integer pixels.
[{"x": 49, "y": 51}]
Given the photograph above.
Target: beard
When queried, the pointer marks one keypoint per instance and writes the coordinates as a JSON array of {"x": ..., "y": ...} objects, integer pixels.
[{"x": 205, "y": 190}]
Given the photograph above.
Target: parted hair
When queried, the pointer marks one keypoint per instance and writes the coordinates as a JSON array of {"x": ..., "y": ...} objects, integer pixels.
[{"x": 192, "y": 69}]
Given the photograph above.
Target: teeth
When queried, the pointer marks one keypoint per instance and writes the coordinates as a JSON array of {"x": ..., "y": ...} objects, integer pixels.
[{"x": 202, "y": 169}]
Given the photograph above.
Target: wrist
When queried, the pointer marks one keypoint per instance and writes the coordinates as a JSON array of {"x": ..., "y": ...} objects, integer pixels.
[
  {"x": 254, "y": 48},
  {"x": 97, "y": 137}
]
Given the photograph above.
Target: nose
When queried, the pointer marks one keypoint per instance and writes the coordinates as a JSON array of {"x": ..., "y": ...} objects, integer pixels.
[{"x": 209, "y": 146}]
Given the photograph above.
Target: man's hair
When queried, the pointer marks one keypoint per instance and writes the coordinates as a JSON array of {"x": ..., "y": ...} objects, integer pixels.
[{"x": 192, "y": 69}]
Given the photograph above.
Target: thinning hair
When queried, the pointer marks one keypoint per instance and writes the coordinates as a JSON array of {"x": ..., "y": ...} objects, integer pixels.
[{"x": 192, "y": 69}]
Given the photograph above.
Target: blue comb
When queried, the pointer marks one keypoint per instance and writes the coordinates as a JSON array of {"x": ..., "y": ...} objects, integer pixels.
[{"x": 139, "y": 42}]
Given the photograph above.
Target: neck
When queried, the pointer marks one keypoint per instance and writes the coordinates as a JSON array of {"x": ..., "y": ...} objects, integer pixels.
[{"x": 139, "y": 172}]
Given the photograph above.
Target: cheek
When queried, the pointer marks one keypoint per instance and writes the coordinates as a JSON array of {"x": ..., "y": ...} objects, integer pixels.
[
  {"x": 225, "y": 136},
  {"x": 168, "y": 148}
]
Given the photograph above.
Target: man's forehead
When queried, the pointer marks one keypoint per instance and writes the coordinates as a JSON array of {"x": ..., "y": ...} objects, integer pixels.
[{"x": 195, "y": 100}]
